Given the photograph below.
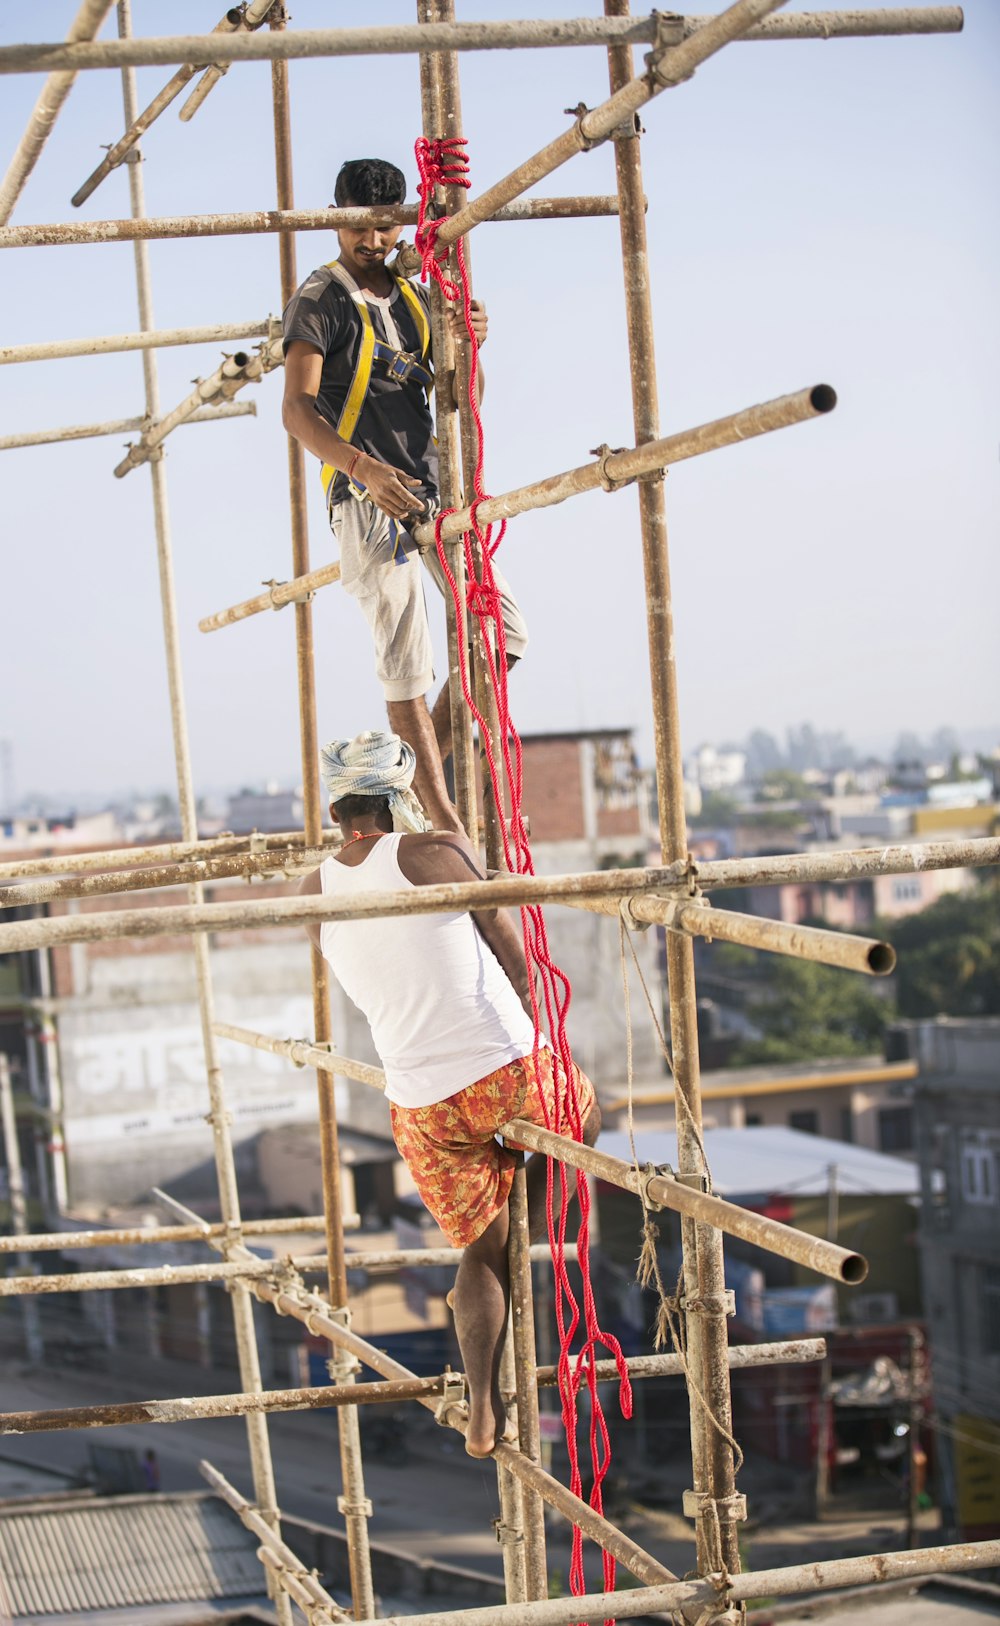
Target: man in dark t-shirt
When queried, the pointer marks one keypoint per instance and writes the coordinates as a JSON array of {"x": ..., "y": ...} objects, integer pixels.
[{"x": 357, "y": 380}]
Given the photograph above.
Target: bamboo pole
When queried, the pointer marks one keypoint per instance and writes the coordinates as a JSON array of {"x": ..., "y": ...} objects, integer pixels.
[
  {"x": 611, "y": 470},
  {"x": 254, "y": 222},
  {"x": 242, "y": 866},
  {"x": 47, "y": 109},
  {"x": 668, "y": 1191},
  {"x": 218, "y": 1116},
  {"x": 465, "y": 36},
  {"x": 308, "y": 1588},
  {"x": 697, "y": 919},
  {"x": 197, "y": 1408},
  {"x": 284, "y": 845},
  {"x": 118, "y": 426},
  {"x": 353, "y": 1504},
  {"x": 153, "y": 1235},
  {"x": 109, "y": 344},
  {"x": 229, "y": 24}
]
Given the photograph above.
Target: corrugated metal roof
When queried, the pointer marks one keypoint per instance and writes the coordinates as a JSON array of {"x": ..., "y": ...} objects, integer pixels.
[
  {"x": 773, "y": 1160},
  {"x": 117, "y": 1552}
]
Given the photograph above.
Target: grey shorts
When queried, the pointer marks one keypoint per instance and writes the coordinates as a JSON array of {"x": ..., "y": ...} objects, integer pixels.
[{"x": 390, "y": 592}]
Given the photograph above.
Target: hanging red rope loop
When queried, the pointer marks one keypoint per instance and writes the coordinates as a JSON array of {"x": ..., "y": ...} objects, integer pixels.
[{"x": 446, "y": 163}]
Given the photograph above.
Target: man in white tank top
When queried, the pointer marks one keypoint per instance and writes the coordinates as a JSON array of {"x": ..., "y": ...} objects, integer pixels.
[{"x": 448, "y": 1001}]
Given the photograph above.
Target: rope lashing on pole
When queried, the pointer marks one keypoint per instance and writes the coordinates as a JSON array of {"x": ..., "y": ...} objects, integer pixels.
[{"x": 443, "y": 163}]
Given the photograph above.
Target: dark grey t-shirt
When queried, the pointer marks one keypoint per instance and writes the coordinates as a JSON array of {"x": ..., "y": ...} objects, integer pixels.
[{"x": 395, "y": 423}]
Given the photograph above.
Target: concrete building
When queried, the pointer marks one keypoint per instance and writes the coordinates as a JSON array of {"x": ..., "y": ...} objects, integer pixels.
[{"x": 957, "y": 1112}]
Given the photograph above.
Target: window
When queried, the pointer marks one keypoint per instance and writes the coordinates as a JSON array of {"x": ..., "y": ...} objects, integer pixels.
[
  {"x": 989, "y": 1299},
  {"x": 847, "y": 1125},
  {"x": 980, "y": 1160},
  {"x": 753, "y": 1120},
  {"x": 807, "y": 1122},
  {"x": 895, "y": 1129}
]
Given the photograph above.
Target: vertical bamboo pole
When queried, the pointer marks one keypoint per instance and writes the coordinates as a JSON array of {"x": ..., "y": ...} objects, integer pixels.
[
  {"x": 353, "y": 1504},
  {"x": 219, "y": 1118},
  {"x": 18, "y": 1208},
  {"x": 449, "y": 470},
  {"x": 522, "y": 1307},
  {"x": 704, "y": 1282}
]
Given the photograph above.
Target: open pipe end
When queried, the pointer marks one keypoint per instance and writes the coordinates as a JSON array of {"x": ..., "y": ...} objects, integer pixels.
[
  {"x": 822, "y": 398},
  {"x": 881, "y": 959},
  {"x": 241, "y": 358},
  {"x": 854, "y": 1269}
]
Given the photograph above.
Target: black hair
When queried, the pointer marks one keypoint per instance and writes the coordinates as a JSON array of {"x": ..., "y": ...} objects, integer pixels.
[
  {"x": 369, "y": 182},
  {"x": 356, "y": 807}
]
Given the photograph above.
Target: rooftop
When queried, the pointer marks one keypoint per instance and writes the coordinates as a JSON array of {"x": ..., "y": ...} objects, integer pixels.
[{"x": 777, "y": 1161}]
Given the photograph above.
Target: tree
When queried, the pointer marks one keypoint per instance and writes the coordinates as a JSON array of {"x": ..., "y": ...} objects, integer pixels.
[
  {"x": 764, "y": 754},
  {"x": 804, "y": 1011},
  {"x": 949, "y": 955}
]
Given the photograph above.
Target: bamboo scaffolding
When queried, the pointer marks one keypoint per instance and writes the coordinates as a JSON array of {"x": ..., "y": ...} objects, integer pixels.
[
  {"x": 119, "y": 426},
  {"x": 709, "y": 1597},
  {"x": 291, "y": 1574},
  {"x": 612, "y": 470},
  {"x": 152, "y": 1235},
  {"x": 244, "y": 866},
  {"x": 281, "y": 845},
  {"x": 47, "y": 109},
  {"x": 196, "y": 1408},
  {"x": 254, "y": 222},
  {"x": 666, "y": 1190},
  {"x": 258, "y": 1441},
  {"x": 403, "y": 38},
  {"x": 109, "y": 344},
  {"x": 229, "y": 24},
  {"x": 698, "y": 919}
]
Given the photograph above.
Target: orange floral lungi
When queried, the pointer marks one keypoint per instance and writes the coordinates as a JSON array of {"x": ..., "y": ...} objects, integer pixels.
[{"x": 462, "y": 1173}]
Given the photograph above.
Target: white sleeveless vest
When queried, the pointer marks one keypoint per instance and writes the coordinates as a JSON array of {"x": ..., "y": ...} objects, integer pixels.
[{"x": 443, "y": 1013}]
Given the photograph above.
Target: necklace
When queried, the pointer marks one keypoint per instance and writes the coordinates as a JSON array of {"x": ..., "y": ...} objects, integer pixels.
[{"x": 356, "y": 835}]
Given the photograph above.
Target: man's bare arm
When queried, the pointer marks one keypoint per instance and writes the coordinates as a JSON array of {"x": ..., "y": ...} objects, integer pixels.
[{"x": 308, "y": 888}]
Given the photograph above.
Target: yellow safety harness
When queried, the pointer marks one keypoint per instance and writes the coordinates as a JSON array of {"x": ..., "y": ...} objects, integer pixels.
[{"x": 399, "y": 363}]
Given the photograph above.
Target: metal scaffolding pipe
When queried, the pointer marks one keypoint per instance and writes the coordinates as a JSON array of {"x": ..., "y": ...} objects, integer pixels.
[
  {"x": 714, "y": 1591},
  {"x": 110, "y": 344},
  {"x": 612, "y": 470},
  {"x": 242, "y": 866},
  {"x": 404, "y": 38},
  {"x": 119, "y": 426},
  {"x": 289, "y": 1567},
  {"x": 231, "y": 375},
  {"x": 698, "y": 919},
  {"x": 667, "y": 1191},
  {"x": 251, "y": 18},
  {"x": 153, "y": 1235},
  {"x": 389, "y": 1392},
  {"x": 284, "y": 846},
  {"x": 304, "y": 1054},
  {"x": 253, "y": 222},
  {"x": 47, "y": 109}
]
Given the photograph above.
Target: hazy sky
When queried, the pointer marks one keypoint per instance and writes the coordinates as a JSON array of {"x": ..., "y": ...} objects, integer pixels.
[{"x": 818, "y": 212}]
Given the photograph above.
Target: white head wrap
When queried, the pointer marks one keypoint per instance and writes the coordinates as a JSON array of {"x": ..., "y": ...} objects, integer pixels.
[{"x": 375, "y": 763}]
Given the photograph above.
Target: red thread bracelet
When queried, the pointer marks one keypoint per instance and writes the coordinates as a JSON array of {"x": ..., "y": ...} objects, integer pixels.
[{"x": 352, "y": 465}]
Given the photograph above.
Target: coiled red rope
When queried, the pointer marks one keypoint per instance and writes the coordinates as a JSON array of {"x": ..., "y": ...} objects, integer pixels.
[{"x": 446, "y": 163}]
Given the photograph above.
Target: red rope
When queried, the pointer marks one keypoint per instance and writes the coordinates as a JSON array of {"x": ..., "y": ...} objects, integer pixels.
[{"x": 446, "y": 163}]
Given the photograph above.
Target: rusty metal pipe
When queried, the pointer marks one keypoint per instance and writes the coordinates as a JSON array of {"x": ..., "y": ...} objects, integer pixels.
[
  {"x": 118, "y": 426},
  {"x": 109, "y": 344},
  {"x": 242, "y": 866},
  {"x": 666, "y": 1191},
  {"x": 281, "y": 844}
]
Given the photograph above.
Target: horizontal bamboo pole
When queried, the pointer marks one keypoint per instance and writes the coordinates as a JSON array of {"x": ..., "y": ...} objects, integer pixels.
[
  {"x": 254, "y": 222},
  {"x": 287, "y": 864},
  {"x": 231, "y": 375},
  {"x": 714, "y": 1592},
  {"x": 624, "y": 466},
  {"x": 281, "y": 844},
  {"x": 154, "y": 1235},
  {"x": 194, "y": 1408},
  {"x": 118, "y": 426},
  {"x": 464, "y": 36},
  {"x": 823, "y": 947},
  {"x": 277, "y": 596},
  {"x": 304, "y": 1054},
  {"x": 289, "y": 1568},
  {"x": 446, "y": 898},
  {"x": 109, "y": 344},
  {"x": 610, "y": 470},
  {"x": 665, "y": 1191}
]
